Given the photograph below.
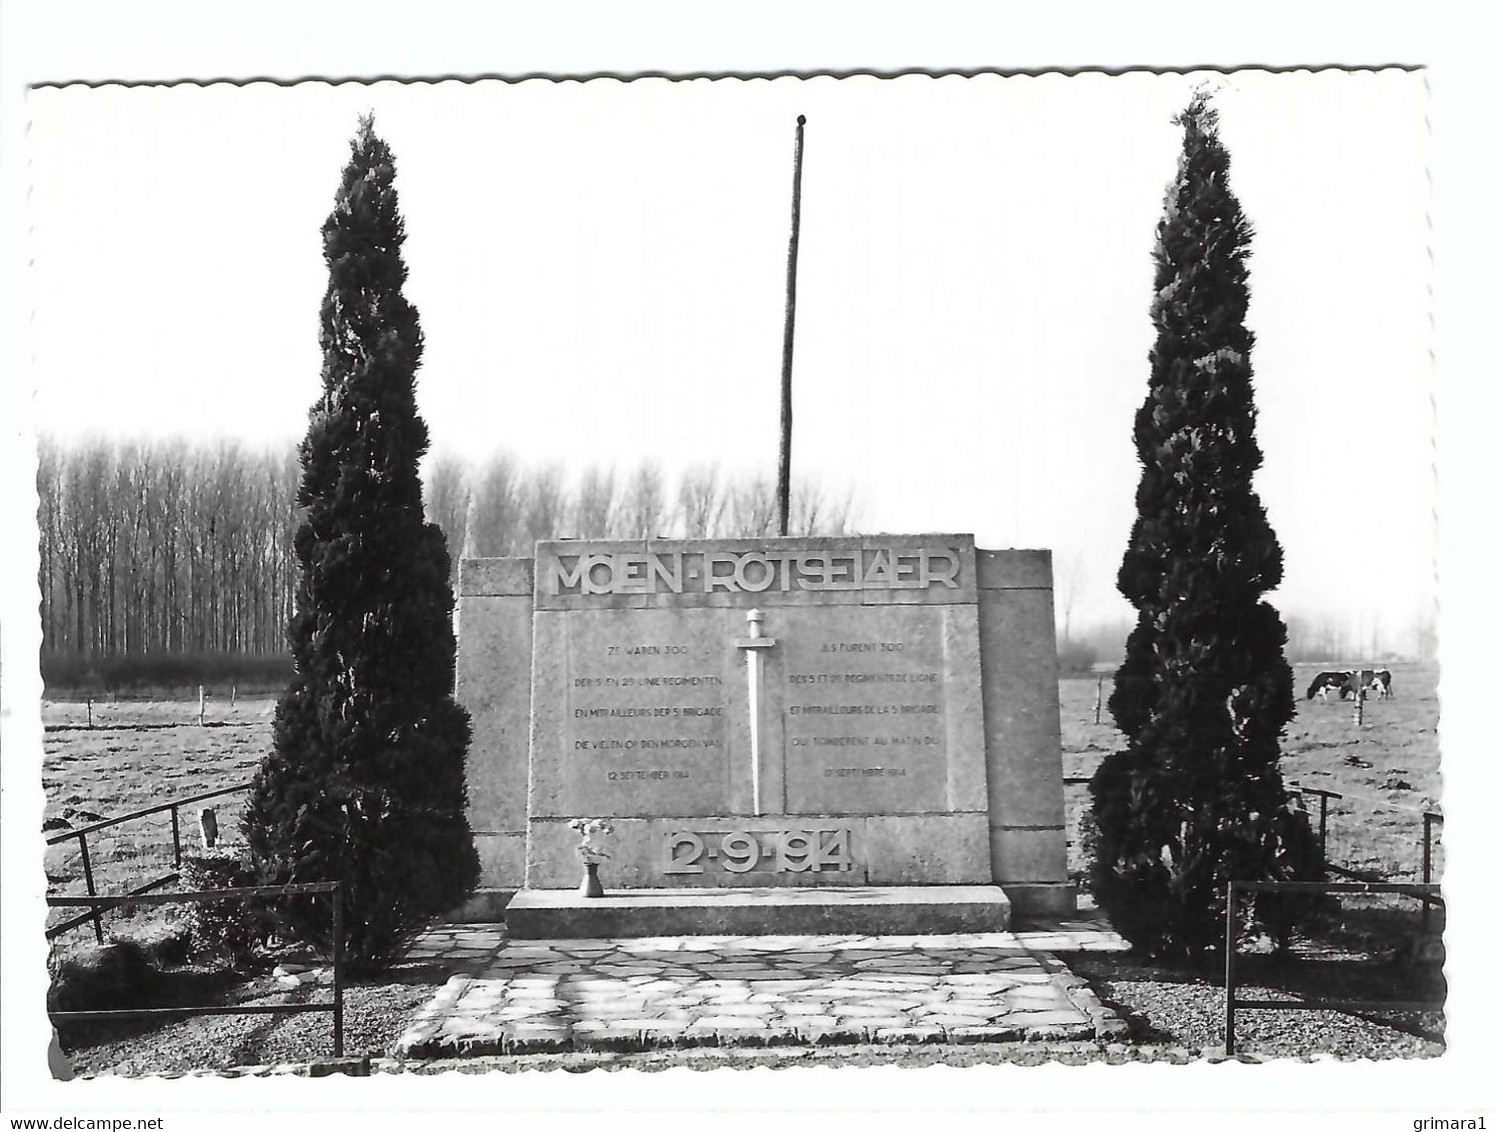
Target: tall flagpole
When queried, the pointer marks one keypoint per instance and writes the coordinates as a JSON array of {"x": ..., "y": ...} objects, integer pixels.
[{"x": 789, "y": 348}]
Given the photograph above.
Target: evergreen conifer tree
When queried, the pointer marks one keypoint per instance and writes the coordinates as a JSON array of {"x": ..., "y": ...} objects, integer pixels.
[
  {"x": 365, "y": 780},
  {"x": 1204, "y": 692}
]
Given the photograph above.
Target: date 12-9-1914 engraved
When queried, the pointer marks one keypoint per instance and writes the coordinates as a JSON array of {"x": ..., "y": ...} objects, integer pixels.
[{"x": 765, "y": 850}]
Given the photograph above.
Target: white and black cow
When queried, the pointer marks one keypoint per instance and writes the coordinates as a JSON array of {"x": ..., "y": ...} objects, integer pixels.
[
  {"x": 1341, "y": 682},
  {"x": 1377, "y": 681},
  {"x": 1351, "y": 682}
]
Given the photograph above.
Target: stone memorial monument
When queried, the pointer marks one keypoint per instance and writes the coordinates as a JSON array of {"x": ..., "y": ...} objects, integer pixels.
[{"x": 783, "y": 734}]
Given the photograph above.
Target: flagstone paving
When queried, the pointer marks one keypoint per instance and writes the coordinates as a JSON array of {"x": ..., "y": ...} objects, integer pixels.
[{"x": 534, "y": 995}]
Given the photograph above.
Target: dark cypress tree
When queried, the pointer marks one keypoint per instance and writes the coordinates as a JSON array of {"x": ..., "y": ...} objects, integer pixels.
[
  {"x": 364, "y": 783},
  {"x": 1204, "y": 693}
]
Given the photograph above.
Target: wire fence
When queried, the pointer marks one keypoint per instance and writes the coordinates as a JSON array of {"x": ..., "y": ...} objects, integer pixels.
[{"x": 209, "y": 707}]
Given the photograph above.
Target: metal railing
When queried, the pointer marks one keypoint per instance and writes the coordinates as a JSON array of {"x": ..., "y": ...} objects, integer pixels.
[
  {"x": 96, "y": 914},
  {"x": 331, "y": 887},
  {"x": 1428, "y": 817},
  {"x": 1325, "y": 796},
  {"x": 1426, "y": 892}
]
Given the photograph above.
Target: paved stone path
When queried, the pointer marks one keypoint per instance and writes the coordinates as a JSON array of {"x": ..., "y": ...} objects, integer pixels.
[{"x": 545, "y": 995}]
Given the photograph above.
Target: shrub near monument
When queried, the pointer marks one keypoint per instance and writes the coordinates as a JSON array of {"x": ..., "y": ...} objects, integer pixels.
[
  {"x": 1204, "y": 693},
  {"x": 365, "y": 782}
]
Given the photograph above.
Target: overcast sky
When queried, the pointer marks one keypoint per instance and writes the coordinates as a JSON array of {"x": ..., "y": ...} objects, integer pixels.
[{"x": 599, "y": 269}]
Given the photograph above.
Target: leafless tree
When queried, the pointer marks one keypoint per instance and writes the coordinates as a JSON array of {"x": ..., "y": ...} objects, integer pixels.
[
  {"x": 752, "y": 510},
  {"x": 840, "y": 517},
  {"x": 1070, "y": 583},
  {"x": 700, "y": 501},
  {"x": 50, "y": 546},
  {"x": 814, "y": 512},
  {"x": 545, "y": 506},
  {"x": 181, "y": 547},
  {"x": 641, "y": 513},
  {"x": 1426, "y": 637},
  {"x": 448, "y": 496},
  {"x": 496, "y": 512},
  {"x": 593, "y": 504}
]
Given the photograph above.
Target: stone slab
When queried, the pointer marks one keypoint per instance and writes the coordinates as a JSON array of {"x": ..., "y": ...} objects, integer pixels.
[
  {"x": 1021, "y": 713},
  {"x": 496, "y": 577},
  {"x": 501, "y": 859},
  {"x": 882, "y": 709},
  {"x": 1014, "y": 570},
  {"x": 1030, "y": 855},
  {"x": 668, "y": 991},
  {"x": 493, "y": 684},
  {"x": 566, "y": 913},
  {"x": 927, "y": 849},
  {"x": 632, "y": 713}
]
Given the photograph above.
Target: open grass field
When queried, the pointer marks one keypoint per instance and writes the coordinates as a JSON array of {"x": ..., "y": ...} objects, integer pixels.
[
  {"x": 1388, "y": 770},
  {"x": 139, "y": 754}
]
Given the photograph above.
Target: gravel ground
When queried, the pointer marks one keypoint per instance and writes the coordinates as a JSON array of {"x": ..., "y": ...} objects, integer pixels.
[
  {"x": 374, "y": 1016},
  {"x": 851, "y": 1056},
  {"x": 1184, "y": 1009},
  {"x": 1174, "y": 1015}
]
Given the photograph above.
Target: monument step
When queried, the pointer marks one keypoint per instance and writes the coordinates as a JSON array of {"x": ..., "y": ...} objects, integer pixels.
[{"x": 564, "y": 913}]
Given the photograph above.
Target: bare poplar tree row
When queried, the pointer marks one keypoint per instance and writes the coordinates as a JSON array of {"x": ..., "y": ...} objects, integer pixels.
[
  {"x": 498, "y": 507},
  {"x": 173, "y": 547},
  {"x": 164, "y": 547}
]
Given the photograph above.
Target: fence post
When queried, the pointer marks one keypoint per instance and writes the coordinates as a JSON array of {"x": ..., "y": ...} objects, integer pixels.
[
  {"x": 233, "y": 694},
  {"x": 176, "y": 840},
  {"x": 338, "y": 970},
  {"x": 90, "y": 713},
  {"x": 1322, "y": 824},
  {"x": 88, "y": 878},
  {"x": 200, "y": 705},
  {"x": 1229, "y": 973},
  {"x": 1098, "y": 718}
]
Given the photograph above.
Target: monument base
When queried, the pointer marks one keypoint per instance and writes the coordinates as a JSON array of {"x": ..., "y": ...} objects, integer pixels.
[
  {"x": 1041, "y": 900},
  {"x": 546, "y": 913},
  {"x": 485, "y": 906}
]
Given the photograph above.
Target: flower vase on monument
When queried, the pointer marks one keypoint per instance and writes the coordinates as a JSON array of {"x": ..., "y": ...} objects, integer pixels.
[{"x": 591, "y": 853}]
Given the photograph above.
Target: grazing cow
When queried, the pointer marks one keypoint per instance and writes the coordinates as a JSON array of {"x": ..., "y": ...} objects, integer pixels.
[
  {"x": 1382, "y": 683},
  {"x": 1342, "y": 683}
]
